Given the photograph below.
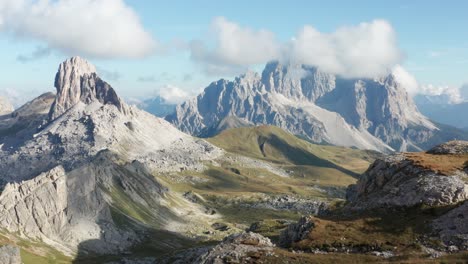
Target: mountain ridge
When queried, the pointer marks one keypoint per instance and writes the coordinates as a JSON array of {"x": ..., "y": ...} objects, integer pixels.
[{"x": 373, "y": 114}]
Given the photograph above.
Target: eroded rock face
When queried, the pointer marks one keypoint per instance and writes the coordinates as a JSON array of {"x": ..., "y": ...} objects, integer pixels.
[
  {"x": 396, "y": 181},
  {"x": 75, "y": 81},
  {"x": 66, "y": 209},
  {"x": 5, "y": 106},
  {"x": 296, "y": 232},
  {"x": 10, "y": 255}
]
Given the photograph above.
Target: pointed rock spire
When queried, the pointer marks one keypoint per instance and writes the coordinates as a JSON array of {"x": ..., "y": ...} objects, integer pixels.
[{"x": 75, "y": 81}]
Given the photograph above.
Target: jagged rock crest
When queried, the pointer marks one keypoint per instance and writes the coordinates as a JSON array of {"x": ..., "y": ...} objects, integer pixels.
[{"x": 75, "y": 81}]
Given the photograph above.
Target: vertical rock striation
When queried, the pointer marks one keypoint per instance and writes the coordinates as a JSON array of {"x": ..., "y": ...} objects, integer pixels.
[{"x": 76, "y": 81}]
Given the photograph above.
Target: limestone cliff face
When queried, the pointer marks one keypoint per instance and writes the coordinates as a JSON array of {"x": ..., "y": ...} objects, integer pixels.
[
  {"x": 65, "y": 208},
  {"x": 75, "y": 81}
]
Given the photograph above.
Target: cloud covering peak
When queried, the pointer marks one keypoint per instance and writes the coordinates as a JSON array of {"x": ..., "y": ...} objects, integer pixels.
[{"x": 366, "y": 50}]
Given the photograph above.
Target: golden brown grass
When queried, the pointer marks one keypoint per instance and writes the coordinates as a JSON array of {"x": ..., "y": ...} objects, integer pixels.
[
  {"x": 443, "y": 164},
  {"x": 367, "y": 232}
]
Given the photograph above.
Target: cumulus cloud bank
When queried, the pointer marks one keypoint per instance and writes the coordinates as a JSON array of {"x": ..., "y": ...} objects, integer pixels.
[
  {"x": 409, "y": 82},
  {"x": 94, "y": 28},
  {"x": 453, "y": 93},
  {"x": 365, "y": 50}
]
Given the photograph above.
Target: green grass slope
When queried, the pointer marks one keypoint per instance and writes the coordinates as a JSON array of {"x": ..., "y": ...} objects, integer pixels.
[{"x": 273, "y": 144}]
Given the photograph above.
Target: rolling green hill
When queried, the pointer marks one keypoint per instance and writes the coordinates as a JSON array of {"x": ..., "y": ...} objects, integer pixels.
[{"x": 273, "y": 144}]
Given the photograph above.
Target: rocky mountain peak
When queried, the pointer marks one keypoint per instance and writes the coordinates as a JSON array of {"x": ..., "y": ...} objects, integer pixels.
[
  {"x": 5, "y": 106},
  {"x": 77, "y": 81}
]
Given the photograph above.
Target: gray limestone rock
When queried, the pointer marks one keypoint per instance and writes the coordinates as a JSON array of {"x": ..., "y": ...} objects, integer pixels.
[
  {"x": 452, "y": 147},
  {"x": 396, "y": 181},
  {"x": 75, "y": 81},
  {"x": 296, "y": 232}
]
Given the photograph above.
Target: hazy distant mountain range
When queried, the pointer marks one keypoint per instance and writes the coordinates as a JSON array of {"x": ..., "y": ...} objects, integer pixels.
[
  {"x": 157, "y": 106},
  {"x": 440, "y": 109}
]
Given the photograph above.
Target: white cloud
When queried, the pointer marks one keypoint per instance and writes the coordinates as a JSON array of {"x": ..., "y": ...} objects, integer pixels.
[
  {"x": 173, "y": 94},
  {"x": 94, "y": 28},
  {"x": 365, "y": 50},
  {"x": 409, "y": 82},
  {"x": 234, "y": 47},
  {"x": 405, "y": 79},
  {"x": 453, "y": 93}
]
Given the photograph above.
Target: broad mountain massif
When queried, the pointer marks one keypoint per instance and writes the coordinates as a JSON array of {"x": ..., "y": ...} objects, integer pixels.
[
  {"x": 87, "y": 178},
  {"x": 323, "y": 108}
]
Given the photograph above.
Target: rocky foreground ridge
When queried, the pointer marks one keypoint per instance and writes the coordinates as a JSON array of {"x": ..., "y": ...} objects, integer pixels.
[
  {"x": 435, "y": 178},
  {"x": 402, "y": 200}
]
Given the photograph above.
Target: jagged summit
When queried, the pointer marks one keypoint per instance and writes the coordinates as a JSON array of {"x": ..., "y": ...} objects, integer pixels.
[
  {"x": 77, "y": 81},
  {"x": 375, "y": 114}
]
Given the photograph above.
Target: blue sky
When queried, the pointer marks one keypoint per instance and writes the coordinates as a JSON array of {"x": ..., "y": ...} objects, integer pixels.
[{"x": 432, "y": 36}]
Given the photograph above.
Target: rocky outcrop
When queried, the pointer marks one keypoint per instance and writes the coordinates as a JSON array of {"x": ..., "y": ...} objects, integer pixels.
[
  {"x": 5, "y": 106},
  {"x": 452, "y": 147},
  {"x": 396, "y": 181},
  {"x": 75, "y": 81},
  {"x": 10, "y": 255},
  {"x": 373, "y": 114},
  {"x": 296, "y": 232},
  {"x": 237, "y": 248}
]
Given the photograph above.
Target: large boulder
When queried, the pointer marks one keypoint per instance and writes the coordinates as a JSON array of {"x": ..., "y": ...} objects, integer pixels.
[
  {"x": 399, "y": 181},
  {"x": 296, "y": 232},
  {"x": 451, "y": 147},
  {"x": 237, "y": 248}
]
